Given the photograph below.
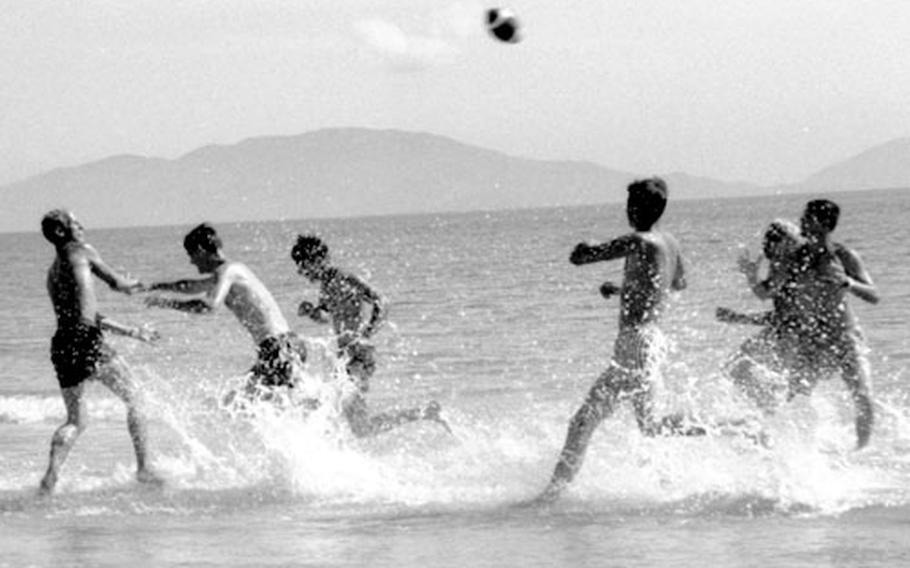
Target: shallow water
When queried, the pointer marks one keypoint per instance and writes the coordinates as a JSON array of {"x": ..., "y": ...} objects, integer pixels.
[{"x": 487, "y": 317}]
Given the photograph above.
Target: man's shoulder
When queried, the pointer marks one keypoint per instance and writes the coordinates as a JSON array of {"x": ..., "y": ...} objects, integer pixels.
[
  {"x": 659, "y": 239},
  {"x": 77, "y": 253}
]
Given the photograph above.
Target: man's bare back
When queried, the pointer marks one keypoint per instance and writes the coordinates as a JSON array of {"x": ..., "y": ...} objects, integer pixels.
[{"x": 653, "y": 266}]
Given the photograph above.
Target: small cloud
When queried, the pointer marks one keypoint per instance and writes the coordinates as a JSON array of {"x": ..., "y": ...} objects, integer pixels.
[{"x": 403, "y": 51}]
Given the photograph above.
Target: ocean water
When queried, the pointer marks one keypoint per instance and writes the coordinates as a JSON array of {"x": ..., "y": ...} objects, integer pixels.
[{"x": 488, "y": 317}]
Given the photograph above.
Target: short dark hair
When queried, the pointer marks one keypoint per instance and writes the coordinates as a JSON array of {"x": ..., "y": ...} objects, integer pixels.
[
  {"x": 824, "y": 211},
  {"x": 309, "y": 248},
  {"x": 649, "y": 198},
  {"x": 50, "y": 222},
  {"x": 203, "y": 237}
]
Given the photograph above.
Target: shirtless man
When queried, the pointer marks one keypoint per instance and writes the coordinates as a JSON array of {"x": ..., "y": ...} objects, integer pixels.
[
  {"x": 774, "y": 346},
  {"x": 281, "y": 352},
  {"x": 653, "y": 267},
  {"x": 830, "y": 339},
  {"x": 78, "y": 350},
  {"x": 342, "y": 300}
]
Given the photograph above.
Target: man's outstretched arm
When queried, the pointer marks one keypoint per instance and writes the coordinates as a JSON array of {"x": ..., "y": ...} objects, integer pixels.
[{"x": 585, "y": 253}]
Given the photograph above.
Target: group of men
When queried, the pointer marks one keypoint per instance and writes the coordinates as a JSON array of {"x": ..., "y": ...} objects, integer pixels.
[
  {"x": 80, "y": 354},
  {"x": 809, "y": 334}
]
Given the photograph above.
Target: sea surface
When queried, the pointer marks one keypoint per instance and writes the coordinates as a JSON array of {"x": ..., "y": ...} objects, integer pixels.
[{"x": 488, "y": 317}]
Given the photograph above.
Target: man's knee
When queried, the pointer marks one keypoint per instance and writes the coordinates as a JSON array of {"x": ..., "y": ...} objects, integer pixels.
[{"x": 67, "y": 434}]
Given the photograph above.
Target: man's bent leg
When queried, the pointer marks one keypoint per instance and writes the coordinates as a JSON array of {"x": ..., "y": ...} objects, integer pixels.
[
  {"x": 66, "y": 435},
  {"x": 363, "y": 425},
  {"x": 116, "y": 376}
]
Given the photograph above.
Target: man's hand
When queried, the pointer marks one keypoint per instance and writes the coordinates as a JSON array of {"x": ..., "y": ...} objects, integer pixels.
[
  {"x": 747, "y": 265},
  {"x": 725, "y": 315},
  {"x": 608, "y": 289},
  {"x": 580, "y": 253}
]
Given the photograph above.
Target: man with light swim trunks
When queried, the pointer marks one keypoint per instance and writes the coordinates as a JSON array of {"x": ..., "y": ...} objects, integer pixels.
[
  {"x": 653, "y": 267},
  {"x": 78, "y": 350},
  {"x": 280, "y": 351},
  {"x": 343, "y": 297}
]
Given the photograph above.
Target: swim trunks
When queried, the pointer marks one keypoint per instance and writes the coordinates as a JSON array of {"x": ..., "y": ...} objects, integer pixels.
[
  {"x": 360, "y": 363},
  {"x": 77, "y": 351},
  {"x": 821, "y": 357},
  {"x": 279, "y": 356},
  {"x": 637, "y": 349},
  {"x": 636, "y": 352}
]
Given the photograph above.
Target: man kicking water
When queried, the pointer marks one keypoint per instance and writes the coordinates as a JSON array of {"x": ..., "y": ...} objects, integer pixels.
[
  {"x": 653, "y": 267},
  {"x": 231, "y": 284},
  {"x": 342, "y": 299},
  {"x": 78, "y": 350}
]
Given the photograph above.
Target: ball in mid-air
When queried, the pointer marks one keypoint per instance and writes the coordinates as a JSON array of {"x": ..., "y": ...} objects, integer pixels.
[{"x": 503, "y": 25}]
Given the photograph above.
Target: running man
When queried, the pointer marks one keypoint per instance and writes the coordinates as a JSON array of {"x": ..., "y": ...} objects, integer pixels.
[
  {"x": 78, "y": 350},
  {"x": 230, "y": 284},
  {"x": 774, "y": 346},
  {"x": 342, "y": 300},
  {"x": 653, "y": 267},
  {"x": 830, "y": 338}
]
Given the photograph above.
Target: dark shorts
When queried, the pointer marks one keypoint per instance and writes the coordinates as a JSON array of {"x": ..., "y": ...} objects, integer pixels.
[
  {"x": 77, "y": 351},
  {"x": 819, "y": 358},
  {"x": 279, "y": 357},
  {"x": 360, "y": 363}
]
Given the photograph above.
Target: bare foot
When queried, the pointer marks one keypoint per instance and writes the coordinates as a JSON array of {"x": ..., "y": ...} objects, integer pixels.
[
  {"x": 148, "y": 477},
  {"x": 47, "y": 484},
  {"x": 551, "y": 493}
]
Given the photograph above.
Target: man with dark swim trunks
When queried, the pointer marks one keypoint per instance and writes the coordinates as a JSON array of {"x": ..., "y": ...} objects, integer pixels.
[
  {"x": 280, "y": 351},
  {"x": 342, "y": 299},
  {"x": 78, "y": 351}
]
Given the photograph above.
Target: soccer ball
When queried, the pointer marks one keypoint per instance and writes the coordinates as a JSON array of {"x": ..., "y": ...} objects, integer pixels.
[{"x": 503, "y": 25}]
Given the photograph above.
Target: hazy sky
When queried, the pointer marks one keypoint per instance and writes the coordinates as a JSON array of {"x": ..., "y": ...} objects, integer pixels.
[{"x": 765, "y": 91}]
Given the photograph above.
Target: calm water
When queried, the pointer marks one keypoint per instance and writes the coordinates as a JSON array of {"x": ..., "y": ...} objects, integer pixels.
[{"x": 488, "y": 317}]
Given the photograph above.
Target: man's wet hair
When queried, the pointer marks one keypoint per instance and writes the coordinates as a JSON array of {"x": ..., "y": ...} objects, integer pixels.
[
  {"x": 649, "y": 197},
  {"x": 825, "y": 211},
  {"x": 203, "y": 237},
  {"x": 309, "y": 248},
  {"x": 50, "y": 222}
]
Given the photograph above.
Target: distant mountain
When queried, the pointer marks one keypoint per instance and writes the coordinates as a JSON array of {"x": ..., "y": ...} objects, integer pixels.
[
  {"x": 882, "y": 167},
  {"x": 328, "y": 173}
]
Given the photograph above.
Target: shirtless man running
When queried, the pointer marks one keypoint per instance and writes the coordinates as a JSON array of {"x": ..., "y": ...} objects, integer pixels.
[
  {"x": 78, "y": 350},
  {"x": 653, "y": 267},
  {"x": 342, "y": 300},
  {"x": 230, "y": 284}
]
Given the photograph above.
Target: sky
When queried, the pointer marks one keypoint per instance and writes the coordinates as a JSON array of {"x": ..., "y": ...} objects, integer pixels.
[{"x": 768, "y": 91}]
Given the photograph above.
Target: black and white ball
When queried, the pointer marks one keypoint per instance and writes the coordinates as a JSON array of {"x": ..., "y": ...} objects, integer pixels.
[{"x": 503, "y": 25}]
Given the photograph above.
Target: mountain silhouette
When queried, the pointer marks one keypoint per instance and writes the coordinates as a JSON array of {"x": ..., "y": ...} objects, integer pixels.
[{"x": 349, "y": 172}]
